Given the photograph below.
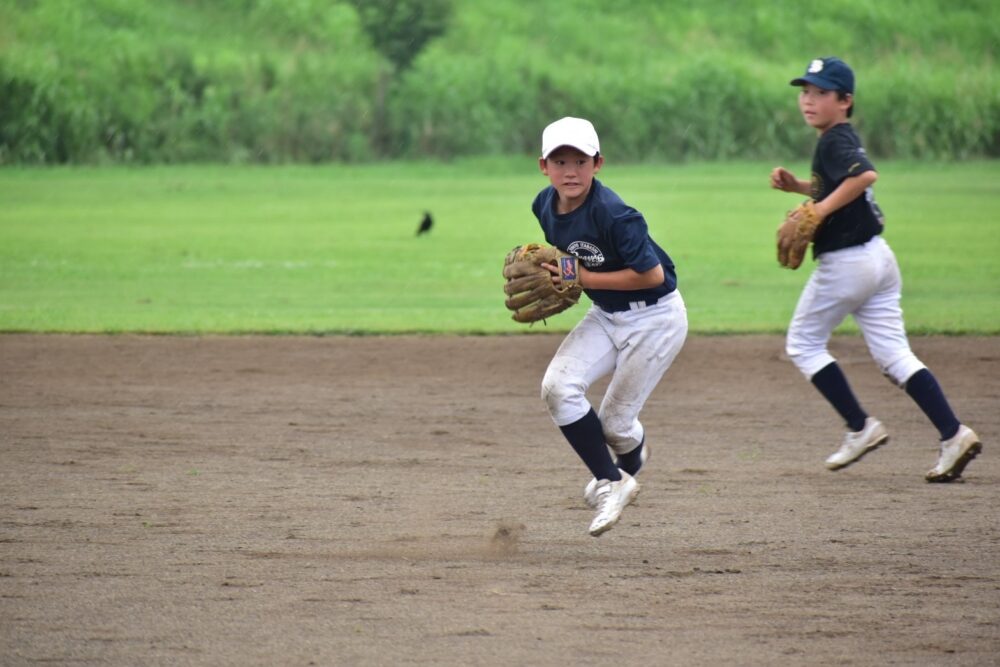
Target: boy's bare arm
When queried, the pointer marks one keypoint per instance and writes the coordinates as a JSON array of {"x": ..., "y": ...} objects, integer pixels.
[
  {"x": 846, "y": 192},
  {"x": 625, "y": 279}
]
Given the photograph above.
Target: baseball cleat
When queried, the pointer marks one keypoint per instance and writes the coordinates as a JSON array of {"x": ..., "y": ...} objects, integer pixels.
[
  {"x": 612, "y": 498},
  {"x": 956, "y": 453},
  {"x": 856, "y": 445},
  {"x": 589, "y": 492}
]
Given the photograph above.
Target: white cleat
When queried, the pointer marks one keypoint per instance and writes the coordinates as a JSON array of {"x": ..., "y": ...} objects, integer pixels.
[
  {"x": 612, "y": 498},
  {"x": 590, "y": 490},
  {"x": 856, "y": 445},
  {"x": 956, "y": 453}
]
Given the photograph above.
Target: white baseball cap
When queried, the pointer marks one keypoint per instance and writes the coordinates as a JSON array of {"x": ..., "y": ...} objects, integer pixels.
[{"x": 569, "y": 131}]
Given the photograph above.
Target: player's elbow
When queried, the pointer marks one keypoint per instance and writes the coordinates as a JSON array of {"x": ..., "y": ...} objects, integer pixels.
[{"x": 652, "y": 278}]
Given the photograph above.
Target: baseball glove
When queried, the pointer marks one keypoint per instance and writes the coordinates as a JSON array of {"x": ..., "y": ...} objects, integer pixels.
[
  {"x": 531, "y": 294},
  {"x": 796, "y": 233}
]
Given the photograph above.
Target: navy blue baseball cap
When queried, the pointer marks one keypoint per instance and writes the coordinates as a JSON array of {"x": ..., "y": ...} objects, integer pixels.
[{"x": 829, "y": 74}]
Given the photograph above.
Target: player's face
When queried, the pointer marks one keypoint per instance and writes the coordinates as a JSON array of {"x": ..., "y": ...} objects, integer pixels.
[
  {"x": 571, "y": 174},
  {"x": 821, "y": 108}
]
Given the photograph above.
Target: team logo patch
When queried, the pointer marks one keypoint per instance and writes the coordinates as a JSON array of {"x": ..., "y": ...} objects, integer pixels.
[
  {"x": 568, "y": 268},
  {"x": 816, "y": 66},
  {"x": 588, "y": 253}
]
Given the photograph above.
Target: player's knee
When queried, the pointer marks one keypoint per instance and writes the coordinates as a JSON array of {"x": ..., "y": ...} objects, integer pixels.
[
  {"x": 900, "y": 369},
  {"x": 560, "y": 396},
  {"x": 796, "y": 352},
  {"x": 809, "y": 359}
]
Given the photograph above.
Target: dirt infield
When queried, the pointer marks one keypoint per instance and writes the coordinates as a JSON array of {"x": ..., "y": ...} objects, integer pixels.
[{"x": 406, "y": 501}]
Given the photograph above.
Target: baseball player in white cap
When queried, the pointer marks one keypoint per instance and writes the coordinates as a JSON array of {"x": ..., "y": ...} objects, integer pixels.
[{"x": 633, "y": 331}]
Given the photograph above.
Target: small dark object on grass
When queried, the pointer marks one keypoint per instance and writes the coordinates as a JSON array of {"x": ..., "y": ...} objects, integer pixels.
[{"x": 425, "y": 224}]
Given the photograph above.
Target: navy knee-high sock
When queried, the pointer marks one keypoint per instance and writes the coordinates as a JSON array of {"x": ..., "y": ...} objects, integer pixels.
[
  {"x": 587, "y": 438},
  {"x": 632, "y": 461},
  {"x": 832, "y": 383},
  {"x": 924, "y": 389}
]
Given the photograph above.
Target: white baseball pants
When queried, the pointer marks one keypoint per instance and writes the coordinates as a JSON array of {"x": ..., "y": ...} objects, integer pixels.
[
  {"x": 637, "y": 345},
  {"x": 862, "y": 281}
]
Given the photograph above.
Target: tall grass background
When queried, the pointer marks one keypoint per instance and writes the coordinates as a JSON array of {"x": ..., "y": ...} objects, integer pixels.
[{"x": 279, "y": 81}]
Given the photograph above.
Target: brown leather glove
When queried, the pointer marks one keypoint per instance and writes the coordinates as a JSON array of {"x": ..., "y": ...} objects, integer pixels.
[
  {"x": 531, "y": 293},
  {"x": 796, "y": 233}
]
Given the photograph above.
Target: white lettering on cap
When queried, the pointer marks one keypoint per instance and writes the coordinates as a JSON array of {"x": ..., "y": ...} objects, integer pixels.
[{"x": 816, "y": 66}]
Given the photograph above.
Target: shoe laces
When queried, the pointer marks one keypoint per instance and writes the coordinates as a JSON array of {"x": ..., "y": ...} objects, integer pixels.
[
  {"x": 853, "y": 439},
  {"x": 603, "y": 495},
  {"x": 846, "y": 446}
]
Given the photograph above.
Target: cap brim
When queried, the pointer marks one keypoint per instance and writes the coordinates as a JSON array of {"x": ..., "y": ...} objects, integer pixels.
[
  {"x": 589, "y": 151},
  {"x": 825, "y": 84}
]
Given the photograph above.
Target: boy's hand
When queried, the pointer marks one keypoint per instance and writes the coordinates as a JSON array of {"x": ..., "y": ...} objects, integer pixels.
[
  {"x": 554, "y": 270},
  {"x": 784, "y": 180}
]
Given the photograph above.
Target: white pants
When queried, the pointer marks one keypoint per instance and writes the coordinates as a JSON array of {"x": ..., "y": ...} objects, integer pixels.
[
  {"x": 862, "y": 281},
  {"x": 637, "y": 345}
]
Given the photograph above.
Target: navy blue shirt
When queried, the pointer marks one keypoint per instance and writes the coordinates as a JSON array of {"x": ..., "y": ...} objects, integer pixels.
[
  {"x": 838, "y": 156},
  {"x": 606, "y": 235}
]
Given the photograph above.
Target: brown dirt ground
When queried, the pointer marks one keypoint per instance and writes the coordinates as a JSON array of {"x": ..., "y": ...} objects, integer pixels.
[{"x": 406, "y": 501}]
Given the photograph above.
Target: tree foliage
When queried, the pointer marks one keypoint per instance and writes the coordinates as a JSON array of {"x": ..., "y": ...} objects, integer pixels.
[{"x": 400, "y": 29}]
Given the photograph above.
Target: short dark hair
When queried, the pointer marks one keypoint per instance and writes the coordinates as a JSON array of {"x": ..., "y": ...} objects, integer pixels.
[{"x": 842, "y": 95}]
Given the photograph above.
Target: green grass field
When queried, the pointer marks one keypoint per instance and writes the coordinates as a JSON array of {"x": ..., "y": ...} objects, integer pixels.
[{"x": 332, "y": 249}]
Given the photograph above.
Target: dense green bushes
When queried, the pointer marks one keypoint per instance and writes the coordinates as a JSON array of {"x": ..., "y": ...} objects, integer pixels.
[{"x": 298, "y": 80}]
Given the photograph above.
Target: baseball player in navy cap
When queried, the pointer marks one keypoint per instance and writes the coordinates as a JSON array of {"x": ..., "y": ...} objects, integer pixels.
[
  {"x": 857, "y": 275},
  {"x": 633, "y": 331}
]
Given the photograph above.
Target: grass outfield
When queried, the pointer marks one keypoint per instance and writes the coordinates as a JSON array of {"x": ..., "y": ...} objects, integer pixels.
[{"x": 332, "y": 249}]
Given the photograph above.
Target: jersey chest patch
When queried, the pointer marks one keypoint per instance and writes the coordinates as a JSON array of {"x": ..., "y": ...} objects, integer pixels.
[{"x": 588, "y": 253}]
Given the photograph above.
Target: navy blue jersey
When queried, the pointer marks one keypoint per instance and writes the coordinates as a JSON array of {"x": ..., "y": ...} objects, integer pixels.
[
  {"x": 839, "y": 155},
  {"x": 607, "y": 235}
]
